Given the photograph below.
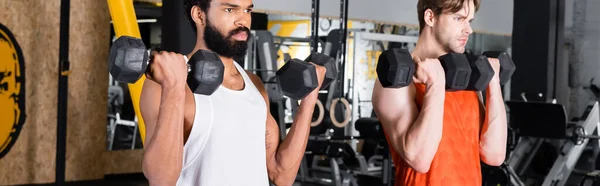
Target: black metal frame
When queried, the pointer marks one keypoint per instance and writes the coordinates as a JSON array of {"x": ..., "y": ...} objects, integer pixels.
[
  {"x": 63, "y": 89},
  {"x": 147, "y": 10},
  {"x": 314, "y": 29},
  {"x": 340, "y": 55},
  {"x": 343, "y": 36}
]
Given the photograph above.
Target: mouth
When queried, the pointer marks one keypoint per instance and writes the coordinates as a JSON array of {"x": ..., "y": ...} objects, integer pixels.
[
  {"x": 463, "y": 41},
  {"x": 241, "y": 36}
]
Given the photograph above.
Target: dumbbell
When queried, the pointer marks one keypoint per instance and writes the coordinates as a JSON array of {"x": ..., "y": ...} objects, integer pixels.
[
  {"x": 129, "y": 60},
  {"x": 395, "y": 69},
  {"x": 482, "y": 72},
  {"x": 507, "y": 66},
  {"x": 298, "y": 78}
]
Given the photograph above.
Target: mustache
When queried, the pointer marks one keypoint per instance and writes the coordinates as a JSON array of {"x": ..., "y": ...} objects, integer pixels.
[{"x": 238, "y": 30}]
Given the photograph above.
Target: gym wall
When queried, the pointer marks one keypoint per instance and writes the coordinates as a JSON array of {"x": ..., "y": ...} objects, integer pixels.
[
  {"x": 397, "y": 12},
  {"x": 30, "y": 159},
  {"x": 582, "y": 34}
]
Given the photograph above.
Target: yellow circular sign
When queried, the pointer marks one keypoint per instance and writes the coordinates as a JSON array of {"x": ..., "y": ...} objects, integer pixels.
[{"x": 12, "y": 90}]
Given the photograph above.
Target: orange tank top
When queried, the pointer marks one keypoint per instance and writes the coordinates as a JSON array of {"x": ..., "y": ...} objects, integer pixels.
[{"x": 457, "y": 161}]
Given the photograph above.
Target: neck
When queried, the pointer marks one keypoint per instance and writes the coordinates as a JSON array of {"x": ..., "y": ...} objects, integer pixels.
[
  {"x": 227, "y": 62},
  {"x": 428, "y": 47}
]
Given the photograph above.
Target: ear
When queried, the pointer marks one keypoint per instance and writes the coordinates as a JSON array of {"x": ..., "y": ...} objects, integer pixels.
[
  {"x": 198, "y": 15},
  {"x": 429, "y": 18}
]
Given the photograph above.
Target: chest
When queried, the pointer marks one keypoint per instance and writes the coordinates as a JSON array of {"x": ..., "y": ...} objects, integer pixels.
[
  {"x": 462, "y": 107},
  {"x": 233, "y": 114},
  {"x": 462, "y": 113},
  {"x": 462, "y": 118}
]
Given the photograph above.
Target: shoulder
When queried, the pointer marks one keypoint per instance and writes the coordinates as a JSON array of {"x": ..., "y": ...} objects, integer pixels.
[
  {"x": 404, "y": 93},
  {"x": 257, "y": 83},
  {"x": 255, "y": 80},
  {"x": 393, "y": 101}
]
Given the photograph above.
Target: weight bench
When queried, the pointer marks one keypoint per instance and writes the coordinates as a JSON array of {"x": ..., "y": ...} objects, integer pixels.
[
  {"x": 371, "y": 130},
  {"x": 327, "y": 170},
  {"x": 549, "y": 121}
]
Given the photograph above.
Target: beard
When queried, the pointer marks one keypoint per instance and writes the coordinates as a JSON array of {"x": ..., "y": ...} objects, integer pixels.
[
  {"x": 449, "y": 43},
  {"x": 225, "y": 45}
]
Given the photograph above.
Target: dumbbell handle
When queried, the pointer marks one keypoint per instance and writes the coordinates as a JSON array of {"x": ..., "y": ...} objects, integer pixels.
[
  {"x": 189, "y": 68},
  {"x": 184, "y": 58},
  {"x": 507, "y": 66}
]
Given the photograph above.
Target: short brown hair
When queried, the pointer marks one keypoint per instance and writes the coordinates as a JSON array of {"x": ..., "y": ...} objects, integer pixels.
[{"x": 439, "y": 6}]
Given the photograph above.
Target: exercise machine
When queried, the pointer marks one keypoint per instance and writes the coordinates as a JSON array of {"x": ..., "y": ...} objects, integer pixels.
[{"x": 539, "y": 121}]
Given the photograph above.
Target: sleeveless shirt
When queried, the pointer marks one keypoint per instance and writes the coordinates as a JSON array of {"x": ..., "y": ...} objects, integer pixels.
[
  {"x": 457, "y": 160},
  {"x": 226, "y": 145}
]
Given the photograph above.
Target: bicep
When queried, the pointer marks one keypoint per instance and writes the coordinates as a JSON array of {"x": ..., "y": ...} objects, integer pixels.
[
  {"x": 482, "y": 113},
  {"x": 396, "y": 110},
  {"x": 271, "y": 139}
]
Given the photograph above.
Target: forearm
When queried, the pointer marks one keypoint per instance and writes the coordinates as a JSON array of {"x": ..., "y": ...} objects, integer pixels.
[
  {"x": 423, "y": 137},
  {"x": 494, "y": 129},
  {"x": 291, "y": 150},
  {"x": 164, "y": 153}
]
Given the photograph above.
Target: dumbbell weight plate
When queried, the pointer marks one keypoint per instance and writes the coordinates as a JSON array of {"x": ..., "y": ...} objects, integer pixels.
[
  {"x": 507, "y": 66},
  {"x": 206, "y": 72},
  {"x": 481, "y": 72},
  {"x": 329, "y": 64},
  {"x": 128, "y": 59},
  {"x": 297, "y": 79},
  {"x": 458, "y": 71},
  {"x": 395, "y": 68}
]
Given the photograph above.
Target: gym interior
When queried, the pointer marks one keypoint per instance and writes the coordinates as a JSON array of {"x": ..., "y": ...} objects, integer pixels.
[{"x": 65, "y": 120}]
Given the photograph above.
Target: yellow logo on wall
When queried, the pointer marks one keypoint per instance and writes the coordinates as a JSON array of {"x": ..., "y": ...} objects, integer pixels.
[{"x": 12, "y": 90}]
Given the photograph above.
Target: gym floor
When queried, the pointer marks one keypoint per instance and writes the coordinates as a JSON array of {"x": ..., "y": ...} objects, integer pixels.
[
  {"x": 128, "y": 180},
  {"x": 112, "y": 180}
]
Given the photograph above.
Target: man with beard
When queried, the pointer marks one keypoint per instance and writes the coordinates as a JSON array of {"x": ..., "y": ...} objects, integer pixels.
[
  {"x": 439, "y": 137},
  {"x": 228, "y": 137}
]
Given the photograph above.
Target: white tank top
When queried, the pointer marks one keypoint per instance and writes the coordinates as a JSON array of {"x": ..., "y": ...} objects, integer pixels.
[{"x": 227, "y": 143}]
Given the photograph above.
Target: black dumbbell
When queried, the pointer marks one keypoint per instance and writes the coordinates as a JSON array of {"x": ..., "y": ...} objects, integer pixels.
[
  {"x": 507, "y": 66},
  {"x": 129, "y": 60},
  {"x": 458, "y": 71},
  {"x": 395, "y": 69},
  {"x": 298, "y": 78},
  {"x": 481, "y": 72}
]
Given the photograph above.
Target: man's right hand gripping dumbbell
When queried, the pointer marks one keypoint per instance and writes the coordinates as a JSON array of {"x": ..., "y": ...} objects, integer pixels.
[{"x": 129, "y": 60}]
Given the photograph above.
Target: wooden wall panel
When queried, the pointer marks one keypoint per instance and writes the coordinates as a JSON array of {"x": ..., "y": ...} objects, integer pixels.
[
  {"x": 35, "y": 27},
  {"x": 31, "y": 160},
  {"x": 124, "y": 161},
  {"x": 89, "y": 39}
]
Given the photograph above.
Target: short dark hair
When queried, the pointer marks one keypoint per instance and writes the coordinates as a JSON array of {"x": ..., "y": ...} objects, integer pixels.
[
  {"x": 188, "y": 4},
  {"x": 439, "y": 6}
]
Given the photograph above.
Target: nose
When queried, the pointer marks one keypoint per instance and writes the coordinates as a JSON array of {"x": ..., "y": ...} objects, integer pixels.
[
  {"x": 243, "y": 20},
  {"x": 468, "y": 30}
]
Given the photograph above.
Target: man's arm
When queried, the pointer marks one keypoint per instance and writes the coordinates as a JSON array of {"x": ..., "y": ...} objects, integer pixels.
[
  {"x": 414, "y": 135},
  {"x": 163, "y": 111},
  {"x": 283, "y": 160},
  {"x": 493, "y": 131}
]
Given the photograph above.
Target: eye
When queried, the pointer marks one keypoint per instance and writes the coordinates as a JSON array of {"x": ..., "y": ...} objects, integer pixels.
[
  {"x": 229, "y": 10},
  {"x": 248, "y": 10}
]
